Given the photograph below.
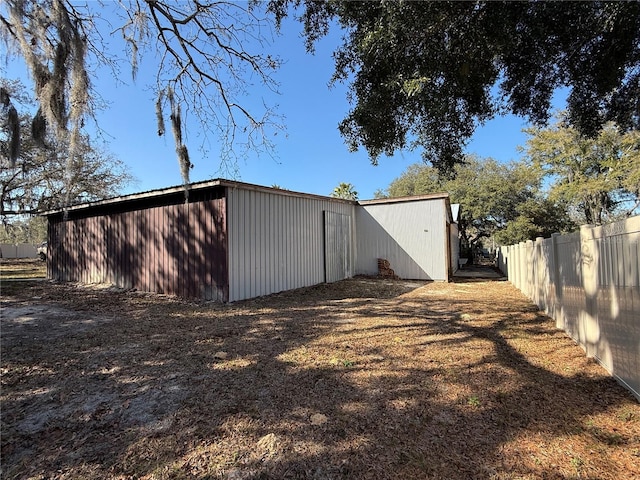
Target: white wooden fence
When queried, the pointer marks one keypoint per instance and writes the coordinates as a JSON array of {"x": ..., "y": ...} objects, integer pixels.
[
  {"x": 21, "y": 250},
  {"x": 589, "y": 283}
]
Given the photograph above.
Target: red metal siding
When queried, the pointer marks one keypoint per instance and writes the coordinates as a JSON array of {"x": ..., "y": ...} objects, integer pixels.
[{"x": 178, "y": 249}]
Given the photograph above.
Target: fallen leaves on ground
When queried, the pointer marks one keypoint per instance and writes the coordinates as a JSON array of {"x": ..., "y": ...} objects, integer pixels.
[{"x": 360, "y": 379}]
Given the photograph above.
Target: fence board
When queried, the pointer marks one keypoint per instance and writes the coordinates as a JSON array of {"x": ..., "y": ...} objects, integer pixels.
[
  {"x": 589, "y": 283},
  {"x": 21, "y": 250}
]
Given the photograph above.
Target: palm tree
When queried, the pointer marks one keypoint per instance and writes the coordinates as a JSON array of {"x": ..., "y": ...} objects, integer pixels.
[{"x": 346, "y": 191}]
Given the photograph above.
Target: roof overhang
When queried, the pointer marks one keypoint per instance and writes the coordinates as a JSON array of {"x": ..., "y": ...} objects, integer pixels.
[
  {"x": 220, "y": 182},
  {"x": 192, "y": 187}
]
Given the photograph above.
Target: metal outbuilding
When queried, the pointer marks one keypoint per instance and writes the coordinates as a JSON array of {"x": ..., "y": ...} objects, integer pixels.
[
  {"x": 412, "y": 233},
  {"x": 231, "y": 240}
]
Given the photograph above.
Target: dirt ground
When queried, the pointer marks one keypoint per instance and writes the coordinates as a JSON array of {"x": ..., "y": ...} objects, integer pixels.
[{"x": 361, "y": 379}]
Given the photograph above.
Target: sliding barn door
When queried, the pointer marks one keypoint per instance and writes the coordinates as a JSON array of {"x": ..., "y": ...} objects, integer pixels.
[{"x": 337, "y": 247}]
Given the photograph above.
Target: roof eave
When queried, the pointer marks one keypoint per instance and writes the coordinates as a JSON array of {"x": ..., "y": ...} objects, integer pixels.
[{"x": 193, "y": 187}]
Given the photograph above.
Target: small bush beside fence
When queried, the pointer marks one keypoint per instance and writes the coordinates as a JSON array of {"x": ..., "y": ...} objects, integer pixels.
[{"x": 589, "y": 283}]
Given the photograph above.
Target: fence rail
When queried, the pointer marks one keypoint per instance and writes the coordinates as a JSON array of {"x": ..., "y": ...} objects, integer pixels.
[{"x": 589, "y": 283}]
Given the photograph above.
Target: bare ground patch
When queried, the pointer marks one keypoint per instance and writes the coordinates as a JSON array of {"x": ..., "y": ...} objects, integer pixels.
[{"x": 364, "y": 379}]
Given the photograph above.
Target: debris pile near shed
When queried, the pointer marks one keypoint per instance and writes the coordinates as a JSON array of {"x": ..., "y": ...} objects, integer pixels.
[{"x": 385, "y": 270}]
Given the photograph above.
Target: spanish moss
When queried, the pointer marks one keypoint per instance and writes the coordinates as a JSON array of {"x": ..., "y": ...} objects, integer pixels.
[
  {"x": 159, "y": 114},
  {"x": 185, "y": 166},
  {"x": 14, "y": 134},
  {"x": 181, "y": 148},
  {"x": 39, "y": 128},
  {"x": 13, "y": 125},
  {"x": 54, "y": 49}
]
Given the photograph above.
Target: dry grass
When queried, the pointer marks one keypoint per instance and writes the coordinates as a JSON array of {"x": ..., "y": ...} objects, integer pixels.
[
  {"x": 362, "y": 379},
  {"x": 22, "y": 268}
]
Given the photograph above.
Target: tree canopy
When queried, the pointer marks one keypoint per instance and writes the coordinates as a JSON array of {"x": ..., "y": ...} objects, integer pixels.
[
  {"x": 564, "y": 179},
  {"x": 421, "y": 74},
  {"x": 427, "y": 73},
  {"x": 346, "y": 191},
  {"x": 598, "y": 177},
  {"x": 501, "y": 201},
  {"x": 24, "y": 230},
  {"x": 43, "y": 177}
]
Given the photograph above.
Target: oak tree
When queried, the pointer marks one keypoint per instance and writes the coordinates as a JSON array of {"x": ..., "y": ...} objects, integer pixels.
[
  {"x": 425, "y": 74},
  {"x": 599, "y": 177},
  {"x": 497, "y": 200},
  {"x": 43, "y": 177}
]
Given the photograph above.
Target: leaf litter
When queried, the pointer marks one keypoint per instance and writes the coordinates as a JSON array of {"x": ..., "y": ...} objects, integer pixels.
[{"x": 360, "y": 379}]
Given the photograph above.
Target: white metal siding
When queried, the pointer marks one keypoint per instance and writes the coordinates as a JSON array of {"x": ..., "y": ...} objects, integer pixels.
[
  {"x": 276, "y": 241},
  {"x": 412, "y": 236},
  {"x": 454, "y": 238}
]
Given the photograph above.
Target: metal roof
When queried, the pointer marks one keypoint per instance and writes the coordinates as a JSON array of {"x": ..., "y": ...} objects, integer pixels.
[
  {"x": 412, "y": 198},
  {"x": 221, "y": 182},
  {"x": 192, "y": 187}
]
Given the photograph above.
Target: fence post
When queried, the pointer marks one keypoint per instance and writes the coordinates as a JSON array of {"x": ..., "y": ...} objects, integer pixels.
[
  {"x": 529, "y": 270},
  {"x": 523, "y": 267},
  {"x": 540, "y": 279},
  {"x": 588, "y": 323},
  {"x": 517, "y": 265},
  {"x": 556, "y": 281},
  {"x": 512, "y": 266}
]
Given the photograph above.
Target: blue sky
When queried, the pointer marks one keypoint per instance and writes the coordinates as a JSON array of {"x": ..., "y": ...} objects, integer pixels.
[{"x": 312, "y": 157}]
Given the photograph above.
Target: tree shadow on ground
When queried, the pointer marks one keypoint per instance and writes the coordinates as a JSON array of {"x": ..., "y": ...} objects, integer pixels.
[{"x": 349, "y": 380}]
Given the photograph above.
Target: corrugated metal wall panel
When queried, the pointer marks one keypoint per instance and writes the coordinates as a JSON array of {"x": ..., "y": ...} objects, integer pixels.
[
  {"x": 454, "y": 238},
  {"x": 412, "y": 236},
  {"x": 176, "y": 249},
  {"x": 276, "y": 241}
]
